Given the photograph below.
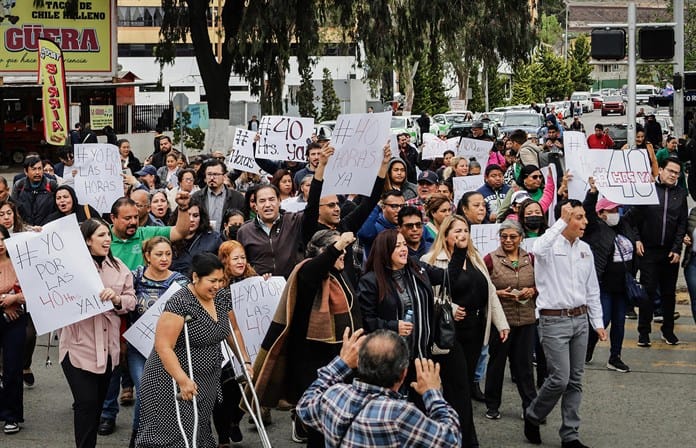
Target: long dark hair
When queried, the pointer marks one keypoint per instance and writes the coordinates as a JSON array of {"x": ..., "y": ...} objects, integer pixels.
[
  {"x": 17, "y": 223},
  {"x": 521, "y": 218},
  {"x": 279, "y": 175},
  {"x": 89, "y": 227},
  {"x": 379, "y": 261}
]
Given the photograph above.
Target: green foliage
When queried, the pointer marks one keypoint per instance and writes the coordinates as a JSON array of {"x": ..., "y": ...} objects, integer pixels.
[
  {"x": 194, "y": 138},
  {"x": 477, "y": 101},
  {"x": 580, "y": 68},
  {"x": 657, "y": 74},
  {"x": 429, "y": 92},
  {"x": 421, "y": 89},
  {"x": 305, "y": 95},
  {"x": 523, "y": 85},
  {"x": 497, "y": 88},
  {"x": 690, "y": 36},
  {"x": 330, "y": 104},
  {"x": 547, "y": 76},
  {"x": 550, "y": 30}
]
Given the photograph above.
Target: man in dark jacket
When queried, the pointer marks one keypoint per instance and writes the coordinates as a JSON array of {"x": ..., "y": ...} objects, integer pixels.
[
  {"x": 159, "y": 158},
  {"x": 409, "y": 154},
  {"x": 653, "y": 131},
  {"x": 215, "y": 197},
  {"x": 660, "y": 231},
  {"x": 34, "y": 193}
]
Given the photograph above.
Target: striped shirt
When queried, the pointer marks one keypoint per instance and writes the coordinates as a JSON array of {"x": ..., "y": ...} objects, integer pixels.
[{"x": 364, "y": 415}]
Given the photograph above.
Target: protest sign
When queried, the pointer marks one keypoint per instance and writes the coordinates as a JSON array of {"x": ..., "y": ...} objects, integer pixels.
[
  {"x": 462, "y": 184},
  {"x": 141, "y": 334},
  {"x": 284, "y": 138},
  {"x": 545, "y": 172},
  {"x": 470, "y": 147},
  {"x": 254, "y": 301},
  {"x": 242, "y": 156},
  {"x": 485, "y": 237},
  {"x": 623, "y": 177},
  {"x": 575, "y": 149},
  {"x": 292, "y": 205},
  {"x": 434, "y": 147},
  {"x": 359, "y": 141},
  {"x": 57, "y": 276},
  {"x": 98, "y": 181}
]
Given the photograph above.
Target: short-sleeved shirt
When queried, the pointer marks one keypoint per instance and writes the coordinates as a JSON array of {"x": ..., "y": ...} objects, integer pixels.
[{"x": 130, "y": 251}]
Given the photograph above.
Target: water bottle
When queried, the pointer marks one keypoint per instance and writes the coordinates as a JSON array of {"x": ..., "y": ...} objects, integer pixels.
[{"x": 408, "y": 317}]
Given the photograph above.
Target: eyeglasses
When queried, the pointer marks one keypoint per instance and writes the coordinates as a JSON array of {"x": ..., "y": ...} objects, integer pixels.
[
  {"x": 509, "y": 237},
  {"x": 330, "y": 204},
  {"x": 395, "y": 206},
  {"x": 412, "y": 225},
  {"x": 536, "y": 176}
]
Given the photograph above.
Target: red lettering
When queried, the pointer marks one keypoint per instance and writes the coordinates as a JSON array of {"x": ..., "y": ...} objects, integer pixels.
[
  {"x": 69, "y": 41},
  {"x": 56, "y": 126},
  {"x": 89, "y": 41},
  {"x": 54, "y": 103},
  {"x": 53, "y": 92},
  {"x": 52, "y": 69}
]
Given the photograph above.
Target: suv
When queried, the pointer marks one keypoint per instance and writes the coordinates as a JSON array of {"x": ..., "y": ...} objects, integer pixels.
[
  {"x": 584, "y": 99},
  {"x": 613, "y": 105},
  {"x": 464, "y": 130},
  {"x": 530, "y": 122},
  {"x": 618, "y": 133}
]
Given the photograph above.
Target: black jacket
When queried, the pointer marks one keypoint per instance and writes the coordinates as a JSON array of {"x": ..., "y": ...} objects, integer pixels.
[
  {"x": 410, "y": 156},
  {"x": 600, "y": 236},
  {"x": 687, "y": 153},
  {"x": 233, "y": 199},
  {"x": 661, "y": 226},
  {"x": 185, "y": 250},
  {"x": 35, "y": 205}
]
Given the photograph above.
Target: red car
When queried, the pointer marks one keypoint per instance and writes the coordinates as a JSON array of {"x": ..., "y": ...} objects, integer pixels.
[
  {"x": 597, "y": 100},
  {"x": 613, "y": 105}
]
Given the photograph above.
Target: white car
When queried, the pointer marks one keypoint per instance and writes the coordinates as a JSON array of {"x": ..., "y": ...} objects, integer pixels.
[{"x": 585, "y": 99}]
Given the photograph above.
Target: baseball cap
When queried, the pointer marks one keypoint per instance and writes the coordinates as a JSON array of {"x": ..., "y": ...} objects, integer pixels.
[
  {"x": 605, "y": 204},
  {"x": 147, "y": 169},
  {"x": 519, "y": 197},
  {"x": 428, "y": 176}
]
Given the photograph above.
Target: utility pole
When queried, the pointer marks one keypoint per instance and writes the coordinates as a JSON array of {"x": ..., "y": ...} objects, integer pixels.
[
  {"x": 631, "y": 87},
  {"x": 678, "y": 98}
]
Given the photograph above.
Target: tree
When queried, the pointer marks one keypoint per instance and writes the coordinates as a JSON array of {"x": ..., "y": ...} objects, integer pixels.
[
  {"x": 421, "y": 89},
  {"x": 331, "y": 106},
  {"x": 305, "y": 95},
  {"x": 476, "y": 102},
  {"x": 522, "y": 85},
  {"x": 550, "y": 31},
  {"x": 439, "y": 102},
  {"x": 579, "y": 59},
  {"x": 497, "y": 88},
  {"x": 551, "y": 75},
  {"x": 194, "y": 138},
  {"x": 689, "y": 36}
]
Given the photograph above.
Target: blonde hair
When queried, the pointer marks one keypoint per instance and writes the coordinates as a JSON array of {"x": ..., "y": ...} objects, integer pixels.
[{"x": 440, "y": 243}]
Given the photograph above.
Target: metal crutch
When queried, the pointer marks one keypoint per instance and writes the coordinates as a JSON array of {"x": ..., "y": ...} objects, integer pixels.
[
  {"x": 177, "y": 395},
  {"x": 254, "y": 407}
]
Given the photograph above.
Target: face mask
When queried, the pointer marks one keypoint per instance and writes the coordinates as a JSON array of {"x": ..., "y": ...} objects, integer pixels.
[
  {"x": 232, "y": 231},
  {"x": 612, "y": 219},
  {"x": 533, "y": 222}
]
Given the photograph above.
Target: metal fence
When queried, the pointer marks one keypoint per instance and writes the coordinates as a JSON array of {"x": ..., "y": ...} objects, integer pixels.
[{"x": 143, "y": 118}]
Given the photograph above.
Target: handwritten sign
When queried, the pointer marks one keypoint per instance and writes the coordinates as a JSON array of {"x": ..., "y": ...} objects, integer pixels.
[
  {"x": 57, "y": 275},
  {"x": 470, "y": 147},
  {"x": 462, "y": 184},
  {"x": 434, "y": 147},
  {"x": 141, "y": 334},
  {"x": 485, "y": 237},
  {"x": 575, "y": 149},
  {"x": 254, "y": 301},
  {"x": 359, "y": 140},
  {"x": 98, "y": 181},
  {"x": 284, "y": 138},
  {"x": 292, "y": 205},
  {"x": 242, "y": 156},
  {"x": 623, "y": 177}
]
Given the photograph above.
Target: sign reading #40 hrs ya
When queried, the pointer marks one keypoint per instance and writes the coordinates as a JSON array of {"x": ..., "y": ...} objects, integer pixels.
[{"x": 284, "y": 138}]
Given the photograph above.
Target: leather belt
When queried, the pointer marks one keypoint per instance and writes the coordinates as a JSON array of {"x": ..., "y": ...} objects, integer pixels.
[{"x": 582, "y": 309}]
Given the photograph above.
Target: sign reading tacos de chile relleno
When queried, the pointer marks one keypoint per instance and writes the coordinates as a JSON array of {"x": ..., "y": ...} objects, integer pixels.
[{"x": 88, "y": 41}]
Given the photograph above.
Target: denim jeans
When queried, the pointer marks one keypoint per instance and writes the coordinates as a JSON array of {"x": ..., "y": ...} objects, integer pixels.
[
  {"x": 110, "y": 407},
  {"x": 690, "y": 275},
  {"x": 614, "y": 312},
  {"x": 136, "y": 365},
  {"x": 482, "y": 363}
]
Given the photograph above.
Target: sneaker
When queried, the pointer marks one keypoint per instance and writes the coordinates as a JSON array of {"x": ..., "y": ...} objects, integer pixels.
[
  {"x": 299, "y": 432},
  {"x": 631, "y": 315},
  {"x": 589, "y": 355},
  {"x": 29, "y": 380},
  {"x": 670, "y": 339},
  {"x": 618, "y": 365},
  {"x": 531, "y": 432},
  {"x": 644, "y": 340},
  {"x": 657, "y": 317},
  {"x": 676, "y": 315},
  {"x": 11, "y": 428},
  {"x": 236, "y": 434},
  {"x": 493, "y": 414}
]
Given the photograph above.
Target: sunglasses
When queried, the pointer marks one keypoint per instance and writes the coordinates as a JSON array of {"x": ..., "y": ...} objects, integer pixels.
[
  {"x": 331, "y": 204},
  {"x": 413, "y": 225},
  {"x": 536, "y": 176}
]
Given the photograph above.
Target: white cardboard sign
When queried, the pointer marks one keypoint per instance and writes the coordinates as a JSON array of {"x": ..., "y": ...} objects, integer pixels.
[
  {"x": 358, "y": 140},
  {"x": 98, "y": 182},
  {"x": 434, "y": 147},
  {"x": 470, "y": 147},
  {"x": 623, "y": 177},
  {"x": 485, "y": 237},
  {"x": 242, "y": 156},
  {"x": 141, "y": 334},
  {"x": 284, "y": 138},
  {"x": 462, "y": 184},
  {"x": 58, "y": 278},
  {"x": 575, "y": 148},
  {"x": 254, "y": 301}
]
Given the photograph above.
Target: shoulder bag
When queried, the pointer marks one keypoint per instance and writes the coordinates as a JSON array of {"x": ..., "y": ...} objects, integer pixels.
[
  {"x": 635, "y": 292},
  {"x": 444, "y": 332}
]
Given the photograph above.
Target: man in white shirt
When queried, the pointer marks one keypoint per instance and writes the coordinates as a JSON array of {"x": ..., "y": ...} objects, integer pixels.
[{"x": 568, "y": 290}]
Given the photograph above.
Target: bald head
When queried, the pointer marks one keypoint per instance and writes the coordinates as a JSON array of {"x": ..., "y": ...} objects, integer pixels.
[
  {"x": 383, "y": 359},
  {"x": 142, "y": 202}
]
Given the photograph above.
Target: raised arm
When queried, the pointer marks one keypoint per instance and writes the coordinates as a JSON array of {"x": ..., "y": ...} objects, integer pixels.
[
  {"x": 355, "y": 219},
  {"x": 181, "y": 230}
]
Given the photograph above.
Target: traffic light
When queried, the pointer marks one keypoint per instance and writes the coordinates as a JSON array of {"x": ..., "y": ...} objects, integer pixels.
[
  {"x": 690, "y": 81},
  {"x": 608, "y": 43},
  {"x": 656, "y": 43}
]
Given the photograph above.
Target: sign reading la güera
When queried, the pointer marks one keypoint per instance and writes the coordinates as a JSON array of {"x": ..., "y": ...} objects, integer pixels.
[{"x": 88, "y": 41}]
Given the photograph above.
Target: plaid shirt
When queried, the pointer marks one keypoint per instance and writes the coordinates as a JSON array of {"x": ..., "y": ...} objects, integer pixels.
[{"x": 364, "y": 415}]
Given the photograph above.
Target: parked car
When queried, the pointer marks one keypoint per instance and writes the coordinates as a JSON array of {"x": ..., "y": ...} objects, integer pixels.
[
  {"x": 324, "y": 129},
  {"x": 618, "y": 132},
  {"x": 597, "y": 100},
  {"x": 644, "y": 92},
  {"x": 584, "y": 99},
  {"x": 562, "y": 107},
  {"x": 447, "y": 120},
  {"x": 400, "y": 124},
  {"x": 528, "y": 121},
  {"x": 613, "y": 105},
  {"x": 464, "y": 130}
]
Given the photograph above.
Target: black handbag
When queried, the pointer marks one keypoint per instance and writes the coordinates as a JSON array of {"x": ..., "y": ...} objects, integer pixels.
[
  {"x": 444, "y": 333},
  {"x": 635, "y": 292}
]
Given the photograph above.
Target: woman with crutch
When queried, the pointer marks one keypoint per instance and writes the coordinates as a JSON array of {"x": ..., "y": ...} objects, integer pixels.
[{"x": 187, "y": 362}]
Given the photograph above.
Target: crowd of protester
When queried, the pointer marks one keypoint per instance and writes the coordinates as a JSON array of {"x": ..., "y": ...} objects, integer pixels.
[{"x": 375, "y": 265}]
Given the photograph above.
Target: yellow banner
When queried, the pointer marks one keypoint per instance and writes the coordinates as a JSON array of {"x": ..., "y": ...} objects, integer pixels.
[
  {"x": 54, "y": 99},
  {"x": 88, "y": 42}
]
